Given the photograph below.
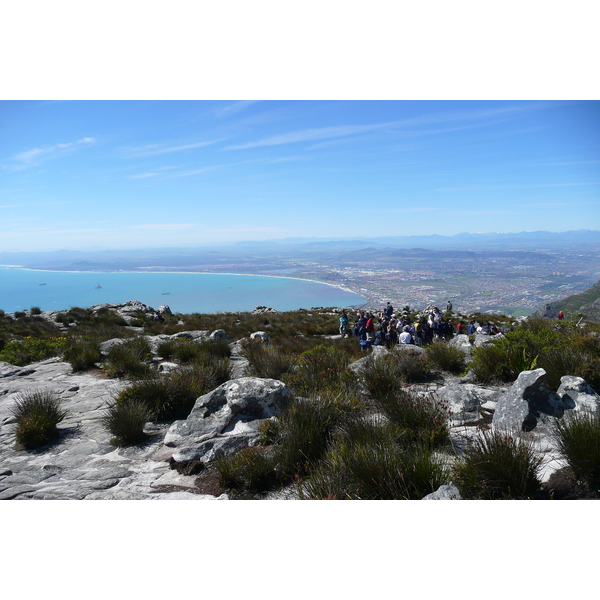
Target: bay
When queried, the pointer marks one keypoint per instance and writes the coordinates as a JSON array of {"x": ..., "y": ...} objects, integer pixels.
[{"x": 21, "y": 289}]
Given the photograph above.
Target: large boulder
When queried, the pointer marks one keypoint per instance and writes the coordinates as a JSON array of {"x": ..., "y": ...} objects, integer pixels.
[
  {"x": 263, "y": 336},
  {"x": 464, "y": 402},
  {"x": 362, "y": 363},
  {"x": 133, "y": 306},
  {"x": 578, "y": 395},
  {"x": 527, "y": 403},
  {"x": 228, "y": 409},
  {"x": 219, "y": 334}
]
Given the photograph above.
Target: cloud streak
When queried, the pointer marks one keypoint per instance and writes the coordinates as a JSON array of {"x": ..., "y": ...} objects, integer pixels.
[
  {"x": 33, "y": 157},
  {"x": 341, "y": 131},
  {"x": 155, "y": 149}
]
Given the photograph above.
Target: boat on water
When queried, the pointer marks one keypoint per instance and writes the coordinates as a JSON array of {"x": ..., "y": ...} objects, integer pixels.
[
  {"x": 166, "y": 293},
  {"x": 43, "y": 284},
  {"x": 98, "y": 287}
]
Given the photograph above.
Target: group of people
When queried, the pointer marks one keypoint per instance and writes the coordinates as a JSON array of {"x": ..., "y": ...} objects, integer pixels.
[{"x": 387, "y": 329}]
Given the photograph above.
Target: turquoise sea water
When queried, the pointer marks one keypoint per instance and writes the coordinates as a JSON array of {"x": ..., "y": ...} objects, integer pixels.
[{"x": 20, "y": 289}]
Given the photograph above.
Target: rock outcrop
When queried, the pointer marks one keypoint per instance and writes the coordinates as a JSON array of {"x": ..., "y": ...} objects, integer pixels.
[{"x": 528, "y": 403}]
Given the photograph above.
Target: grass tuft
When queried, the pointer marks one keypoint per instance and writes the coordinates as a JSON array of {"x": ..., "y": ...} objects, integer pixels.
[
  {"x": 37, "y": 413},
  {"x": 578, "y": 440},
  {"x": 496, "y": 467}
]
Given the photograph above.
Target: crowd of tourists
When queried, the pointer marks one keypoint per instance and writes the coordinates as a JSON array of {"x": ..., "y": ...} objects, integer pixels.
[{"x": 386, "y": 328}]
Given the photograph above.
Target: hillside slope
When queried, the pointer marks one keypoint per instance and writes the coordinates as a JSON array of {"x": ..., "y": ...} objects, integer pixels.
[{"x": 586, "y": 303}]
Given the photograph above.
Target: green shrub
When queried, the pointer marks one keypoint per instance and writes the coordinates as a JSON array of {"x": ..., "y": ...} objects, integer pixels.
[
  {"x": 267, "y": 361},
  {"x": 366, "y": 462},
  {"x": 420, "y": 419},
  {"x": 126, "y": 360},
  {"x": 37, "y": 413},
  {"x": 82, "y": 353},
  {"x": 35, "y": 310},
  {"x": 30, "y": 350},
  {"x": 445, "y": 357},
  {"x": 319, "y": 369},
  {"x": 125, "y": 420},
  {"x": 187, "y": 351},
  {"x": 304, "y": 434},
  {"x": 251, "y": 469},
  {"x": 385, "y": 375},
  {"x": 172, "y": 395},
  {"x": 578, "y": 440},
  {"x": 498, "y": 466}
]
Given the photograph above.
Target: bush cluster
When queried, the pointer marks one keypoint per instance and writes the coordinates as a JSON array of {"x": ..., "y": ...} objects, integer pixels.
[
  {"x": 560, "y": 348},
  {"x": 30, "y": 350}
]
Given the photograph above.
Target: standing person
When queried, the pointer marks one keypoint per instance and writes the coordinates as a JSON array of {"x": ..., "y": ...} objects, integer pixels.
[
  {"x": 389, "y": 309},
  {"x": 343, "y": 324},
  {"x": 370, "y": 327},
  {"x": 561, "y": 315},
  {"x": 471, "y": 327},
  {"x": 449, "y": 306}
]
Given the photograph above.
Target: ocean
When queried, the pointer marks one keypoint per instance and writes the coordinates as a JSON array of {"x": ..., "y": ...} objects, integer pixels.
[{"x": 21, "y": 289}]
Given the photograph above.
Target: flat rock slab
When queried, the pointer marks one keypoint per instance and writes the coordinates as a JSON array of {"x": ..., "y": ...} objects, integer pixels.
[{"x": 81, "y": 463}]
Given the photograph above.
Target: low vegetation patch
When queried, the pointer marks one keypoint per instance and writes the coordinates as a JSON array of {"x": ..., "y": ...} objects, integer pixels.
[
  {"x": 82, "y": 353},
  {"x": 445, "y": 357},
  {"x": 37, "y": 413},
  {"x": 125, "y": 419},
  {"x": 498, "y": 466},
  {"x": 129, "y": 359},
  {"x": 578, "y": 440},
  {"x": 30, "y": 350},
  {"x": 365, "y": 461},
  {"x": 558, "y": 347}
]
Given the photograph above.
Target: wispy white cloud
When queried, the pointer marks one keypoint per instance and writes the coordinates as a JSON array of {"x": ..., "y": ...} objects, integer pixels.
[
  {"x": 143, "y": 176},
  {"x": 32, "y": 157},
  {"x": 413, "y": 209},
  {"x": 167, "y": 226},
  {"x": 156, "y": 149},
  {"x": 486, "y": 188},
  {"x": 234, "y": 108},
  {"x": 341, "y": 131}
]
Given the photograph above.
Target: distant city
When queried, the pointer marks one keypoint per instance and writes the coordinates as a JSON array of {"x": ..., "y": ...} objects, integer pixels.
[{"x": 511, "y": 273}]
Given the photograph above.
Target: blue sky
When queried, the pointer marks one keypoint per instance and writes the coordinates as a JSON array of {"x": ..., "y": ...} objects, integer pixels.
[{"x": 119, "y": 174}]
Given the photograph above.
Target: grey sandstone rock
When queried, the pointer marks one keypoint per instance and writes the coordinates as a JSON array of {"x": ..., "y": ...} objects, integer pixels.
[
  {"x": 108, "y": 345},
  {"x": 238, "y": 400},
  {"x": 460, "y": 341},
  {"x": 482, "y": 339},
  {"x": 578, "y": 395},
  {"x": 408, "y": 348},
  {"x": 463, "y": 402},
  {"x": 133, "y": 306},
  {"x": 214, "y": 448},
  {"x": 362, "y": 363},
  {"x": 444, "y": 492},
  {"x": 527, "y": 403},
  {"x": 260, "y": 335},
  {"x": 163, "y": 309},
  {"x": 219, "y": 334},
  {"x": 81, "y": 463}
]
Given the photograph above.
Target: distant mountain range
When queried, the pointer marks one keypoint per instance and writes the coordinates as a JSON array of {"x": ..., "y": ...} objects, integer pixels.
[{"x": 303, "y": 247}]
